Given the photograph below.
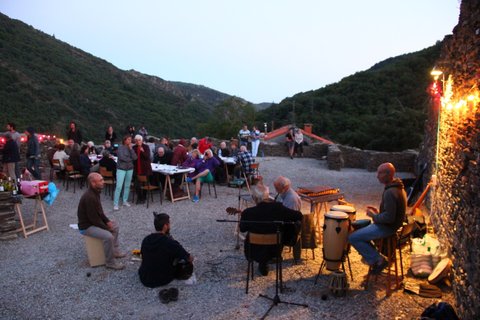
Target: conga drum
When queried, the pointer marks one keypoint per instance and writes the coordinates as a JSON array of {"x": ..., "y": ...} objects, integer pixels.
[
  {"x": 335, "y": 234},
  {"x": 352, "y": 213},
  {"x": 361, "y": 223}
]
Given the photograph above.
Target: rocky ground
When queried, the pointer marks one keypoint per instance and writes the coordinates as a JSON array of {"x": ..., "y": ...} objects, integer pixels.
[{"x": 47, "y": 275}]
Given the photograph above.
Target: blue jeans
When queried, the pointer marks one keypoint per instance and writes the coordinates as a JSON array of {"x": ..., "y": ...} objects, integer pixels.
[
  {"x": 361, "y": 240},
  {"x": 33, "y": 167},
  {"x": 124, "y": 178}
]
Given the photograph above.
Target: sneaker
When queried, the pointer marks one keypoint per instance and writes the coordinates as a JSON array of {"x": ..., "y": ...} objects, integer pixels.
[
  {"x": 191, "y": 281},
  {"x": 378, "y": 267},
  {"x": 164, "y": 295},
  {"x": 126, "y": 204},
  {"x": 189, "y": 180},
  {"x": 195, "y": 199},
  {"x": 173, "y": 294},
  {"x": 115, "y": 266},
  {"x": 116, "y": 208}
]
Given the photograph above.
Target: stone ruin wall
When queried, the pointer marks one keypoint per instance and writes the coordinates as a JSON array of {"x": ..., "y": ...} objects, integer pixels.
[{"x": 454, "y": 202}]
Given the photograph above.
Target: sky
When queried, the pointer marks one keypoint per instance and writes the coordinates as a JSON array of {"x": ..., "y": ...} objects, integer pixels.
[{"x": 259, "y": 50}]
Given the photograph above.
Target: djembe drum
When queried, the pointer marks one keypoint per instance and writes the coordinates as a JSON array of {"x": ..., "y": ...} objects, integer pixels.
[
  {"x": 352, "y": 213},
  {"x": 335, "y": 234}
]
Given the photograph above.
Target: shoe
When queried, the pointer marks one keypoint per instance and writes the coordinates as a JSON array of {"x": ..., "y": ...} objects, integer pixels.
[
  {"x": 378, "y": 267},
  {"x": 189, "y": 180},
  {"x": 116, "y": 266},
  {"x": 119, "y": 255},
  {"x": 164, "y": 296},
  {"x": 195, "y": 199},
  {"x": 126, "y": 204},
  {"x": 263, "y": 269},
  {"x": 173, "y": 294},
  {"x": 116, "y": 208}
]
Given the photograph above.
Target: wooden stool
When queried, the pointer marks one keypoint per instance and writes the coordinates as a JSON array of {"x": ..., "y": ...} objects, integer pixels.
[
  {"x": 95, "y": 251},
  {"x": 387, "y": 246}
]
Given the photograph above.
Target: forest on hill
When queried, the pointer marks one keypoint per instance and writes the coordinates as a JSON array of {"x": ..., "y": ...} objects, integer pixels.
[{"x": 47, "y": 83}]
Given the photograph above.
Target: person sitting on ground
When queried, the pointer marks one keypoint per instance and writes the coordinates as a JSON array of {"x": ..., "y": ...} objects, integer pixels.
[
  {"x": 163, "y": 258},
  {"x": 387, "y": 220},
  {"x": 244, "y": 160},
  {"x": 108, "y": 162},
  {"x": 93, "y": 222},
  {"x": 264, "y": 212},
  {"x": 60, "y": 155},
  {"x": 206, "y": 170}
]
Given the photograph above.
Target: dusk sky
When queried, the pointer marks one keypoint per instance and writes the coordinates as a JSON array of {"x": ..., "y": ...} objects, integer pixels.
[{"x": 262, "y": 50}]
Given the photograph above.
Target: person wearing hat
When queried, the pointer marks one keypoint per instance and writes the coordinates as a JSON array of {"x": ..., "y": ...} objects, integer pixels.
[{"x": 33, "y": 153}]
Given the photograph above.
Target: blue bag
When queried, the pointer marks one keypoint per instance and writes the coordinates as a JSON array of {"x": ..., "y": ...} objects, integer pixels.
[{"x": 52, "y": 193}]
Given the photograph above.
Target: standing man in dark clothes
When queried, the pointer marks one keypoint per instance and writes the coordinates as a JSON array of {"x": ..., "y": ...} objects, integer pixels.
[
  {"x": 387, "y": 219},
  {"x": 163, "y": 258},
  {"x": 74, "y": 133},
  {"x": 33, "y": 153},
  {"x": 92, "y": 221},
  {"x": 267, "y": 212}
]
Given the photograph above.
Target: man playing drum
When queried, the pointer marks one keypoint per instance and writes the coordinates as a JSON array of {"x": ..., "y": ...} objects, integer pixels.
[{"x": 386, "y": 220}]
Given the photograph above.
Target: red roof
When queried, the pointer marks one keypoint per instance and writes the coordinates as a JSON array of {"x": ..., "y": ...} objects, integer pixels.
[{"x": 283, "y": 130}]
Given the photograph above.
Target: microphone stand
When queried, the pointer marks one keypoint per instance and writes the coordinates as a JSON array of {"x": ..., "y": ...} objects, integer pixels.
[{"x": 276, "y": 299}]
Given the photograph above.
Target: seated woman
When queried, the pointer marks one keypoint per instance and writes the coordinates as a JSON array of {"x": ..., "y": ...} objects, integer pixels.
[
  {"x": 108, "y": 162},
  {"x": 205, "y": 171},
  {"x": 192, "y": 162},
  {"x": 85, "y": 163},
  {"x": 91, "y": 148}
]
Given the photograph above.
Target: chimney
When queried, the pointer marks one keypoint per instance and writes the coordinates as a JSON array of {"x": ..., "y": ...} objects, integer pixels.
[{"x": 307, "y": 127}]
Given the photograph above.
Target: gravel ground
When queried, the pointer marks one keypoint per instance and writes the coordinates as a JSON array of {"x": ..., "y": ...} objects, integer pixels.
[{"x": 47, "y": 275}]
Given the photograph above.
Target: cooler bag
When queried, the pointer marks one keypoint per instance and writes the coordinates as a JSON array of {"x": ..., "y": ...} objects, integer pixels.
[{"x": 33, "y": 188}]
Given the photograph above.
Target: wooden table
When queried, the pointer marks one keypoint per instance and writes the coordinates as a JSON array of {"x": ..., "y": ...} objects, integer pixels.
[
  {"x": 167, "y": 171},
  {"x": 33, "y": 227}
]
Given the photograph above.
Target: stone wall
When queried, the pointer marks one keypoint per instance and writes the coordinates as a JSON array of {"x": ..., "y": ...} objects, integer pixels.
[{"x": 454, "y": 201}]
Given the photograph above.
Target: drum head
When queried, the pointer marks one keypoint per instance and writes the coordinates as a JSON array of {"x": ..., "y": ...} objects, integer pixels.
[
  {"x": 361, "y": 223},
  {"x": 337, "y": 215},
  {"x": 441, "y": 271},
  {"x": 343, "y": 208}
]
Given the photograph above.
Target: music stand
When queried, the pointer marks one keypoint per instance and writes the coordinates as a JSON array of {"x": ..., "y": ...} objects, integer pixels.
[{"x": 276, "y": 299}]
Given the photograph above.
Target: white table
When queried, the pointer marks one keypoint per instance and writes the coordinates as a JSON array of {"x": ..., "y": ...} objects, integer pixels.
[
  {"x": 227, "y": 161},
  {"x": 168, "y": 171}
]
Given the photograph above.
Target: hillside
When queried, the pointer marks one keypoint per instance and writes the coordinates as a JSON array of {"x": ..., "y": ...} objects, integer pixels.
[
  {"x": 383, "y": 108},
  {"x": 46, "y": 83}
]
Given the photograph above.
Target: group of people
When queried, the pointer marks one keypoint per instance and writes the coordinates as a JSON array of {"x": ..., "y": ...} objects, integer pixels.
[
  {"x": 11, "y": 153},
  {"x": 164, "y": 259}
]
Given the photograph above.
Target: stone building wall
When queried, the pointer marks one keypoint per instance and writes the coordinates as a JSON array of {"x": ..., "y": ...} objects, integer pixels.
[{"x": 454, "y": 201}]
